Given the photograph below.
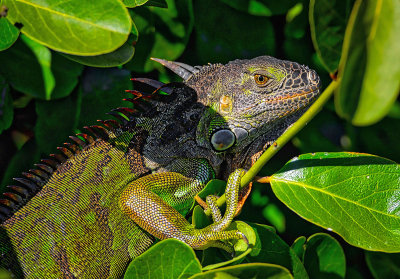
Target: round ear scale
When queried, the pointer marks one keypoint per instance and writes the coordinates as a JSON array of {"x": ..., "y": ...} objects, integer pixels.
[{"x": 223, "y": 139}]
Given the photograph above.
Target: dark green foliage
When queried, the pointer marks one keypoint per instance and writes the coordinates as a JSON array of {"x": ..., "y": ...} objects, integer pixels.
[{"x": 50, "y": 88}]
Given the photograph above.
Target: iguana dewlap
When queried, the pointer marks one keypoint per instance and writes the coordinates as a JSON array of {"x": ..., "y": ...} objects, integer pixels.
[{"x": 86, "y": 212}]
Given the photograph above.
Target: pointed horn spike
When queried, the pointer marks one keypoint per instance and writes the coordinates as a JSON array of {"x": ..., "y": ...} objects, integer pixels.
[
  {"x": 87, "y": 138},
  {"x": 73, "y": 147},
  {"x": 148, "y": 81},
  {"x": 111, "y": 123},
  {"x": 60, "y": 158},
  {"x": 29, "y": 184},
  {"x": 37, "y": 179},
  {"x": 183, "y": 70},
  {"x": 8, "y": 203},
  {"x": 118, "y": 116},
  {"x": 19, "y": 190},
  {"x": 98, "y": 131},
  {"x": 14, "y": 197},
  {"x": 66, "y": 151},
  {"x": 51, "y": 163},
  {"x": 40, "y": 173},
  {"x": 45, "y": 168},
  {"x": 78, "y": 141}
]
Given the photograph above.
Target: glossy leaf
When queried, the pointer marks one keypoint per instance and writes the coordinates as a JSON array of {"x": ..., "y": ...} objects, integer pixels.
[
  {"x": 298, "y": 247},
  {"x": 382, "y": 265},
  {"x": 103, "y": 90},
  {"x": 8, "y": 33},
  {"x": 164, "y": 33},
  {"x": 261, "y": 7},
  {"x": 21, "y": 161},
  {"x": 328, "y": 21},
  {"x": 133, "y": 3},
  {"x": 157, "y": 3},
  {"x": 116, "y": 58},
  {"x": 376, "y": 139},
  {"x": 48, "y": 131},
  {"x": 23, "y": 72},
  {"x": 43, "y": 56},
  {"x": 254, "y": 271},
  {"x": 6, "y": 106},
  {"x": 240, "y": 36},
  {"x": 74, "y": 27},
  {"x": 324, "y": 257},
  {"x": 170, "y": 258},
  {"x": 369, "y": 75},
  {"x": 270, "y": 248},
  {"x": 352, "y": 194}
]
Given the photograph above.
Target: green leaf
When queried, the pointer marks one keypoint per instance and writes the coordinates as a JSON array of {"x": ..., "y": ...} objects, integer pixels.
[
  {"x": 134, "y": 3},
  {"x": 253, "y": 270},
  {"x": 213, "y": 187},
  {"x": 328, "y": 21},
  {"x": 103, "y": 90},
  {"x": 352, "y": 194},
  {"x": 164, "y": 33},
  {"x": 8, "y": 33},
  {"x": 48, "y": 131},
  {"x": 270, "y": 248},
  {"x": 240, "y": 36},
  {"x": 74, "y": 27},
  {"x": 376, "y": 139},
  {"x": 298, "y": 247},
  {"x": 275, "y": 216},
  {"x": 261, "y": 7},
  {"x": 382, "y": 265},
  {"x": 157, "y": 3},
  {"x": 169, "y": 258},
  {"x": 6, "y": 106},
  {"x": 43, "y": 56},
  {"x": 324, "y": 257},
  {"x": 21, "y": 161},
  {"x": 368, "y": 72},
  {"x": 116, "y": 58},
  {"x": 23, "y": 72}
]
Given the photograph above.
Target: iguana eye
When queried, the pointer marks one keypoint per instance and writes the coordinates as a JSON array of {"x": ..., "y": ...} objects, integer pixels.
[
  {"x": 223, "y": 139},
  {"x": 261, "y": 79}
]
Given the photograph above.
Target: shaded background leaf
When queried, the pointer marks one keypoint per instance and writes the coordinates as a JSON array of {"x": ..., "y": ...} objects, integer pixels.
[
  {"x": 328, "y": 20},
  {"x": 8, "y": 33},
  {"x": 6, "y": 106},
  {"x": 324, "y": 257},
  {"x": 370, "y": 81},
  {"x": 383, "y": 266}
]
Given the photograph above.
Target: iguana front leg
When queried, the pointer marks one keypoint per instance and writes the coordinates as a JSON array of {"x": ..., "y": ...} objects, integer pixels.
[{"x": 148, "y": 201}]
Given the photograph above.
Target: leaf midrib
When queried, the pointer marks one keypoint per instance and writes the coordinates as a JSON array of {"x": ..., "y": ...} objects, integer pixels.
[
  {"x": 291, "y": 182},
  {"x": 69, "y": 16}
]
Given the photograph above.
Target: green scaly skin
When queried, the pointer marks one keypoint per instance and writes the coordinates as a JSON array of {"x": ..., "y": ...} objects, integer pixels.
[{"x": 90, "y": 213}]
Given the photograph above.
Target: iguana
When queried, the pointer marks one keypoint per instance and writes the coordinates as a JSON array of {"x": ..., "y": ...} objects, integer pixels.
[{"x": 86, "y": 212}]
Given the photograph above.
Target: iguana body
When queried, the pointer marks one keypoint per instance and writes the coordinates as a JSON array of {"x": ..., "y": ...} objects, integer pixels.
[{"x": 87, "y": 213}]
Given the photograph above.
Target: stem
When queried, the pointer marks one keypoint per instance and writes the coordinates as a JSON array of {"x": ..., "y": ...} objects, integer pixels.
[{"x": 283, "y": 139}]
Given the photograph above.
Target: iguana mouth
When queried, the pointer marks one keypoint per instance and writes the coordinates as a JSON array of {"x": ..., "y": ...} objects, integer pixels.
[{"x": 279, "y": 98}]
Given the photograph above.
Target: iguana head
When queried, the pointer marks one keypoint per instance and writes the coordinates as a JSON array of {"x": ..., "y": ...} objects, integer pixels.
[{"x": 248, "y": 100}]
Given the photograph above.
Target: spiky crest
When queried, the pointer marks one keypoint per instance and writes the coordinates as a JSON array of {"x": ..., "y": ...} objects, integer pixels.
[{"x": 31, "y": 182}]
